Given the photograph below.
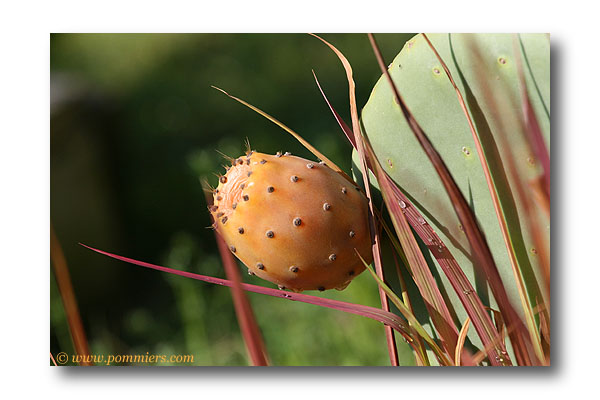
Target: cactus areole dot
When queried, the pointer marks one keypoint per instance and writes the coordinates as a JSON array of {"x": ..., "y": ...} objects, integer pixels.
[{"x": 297, "y": 256}]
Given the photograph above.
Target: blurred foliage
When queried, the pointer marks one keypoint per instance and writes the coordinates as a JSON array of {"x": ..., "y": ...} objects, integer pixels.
[{"x": 135, "y": 127}]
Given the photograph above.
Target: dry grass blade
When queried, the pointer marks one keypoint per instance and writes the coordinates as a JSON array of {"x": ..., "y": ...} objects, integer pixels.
[
  {"x": 498, "y": 320},
  {"x": 243, "y": 310},
  {"x": 340, "y": 121},
  {"x": 63, "y": 279},
  {"x": 376, "y": 246},
  {"x": 385, "y": 317},
  {"x": 422, "y": 275},
  {"x": 500, "y": 338},
  {"x": 460, "y": 283},
  {"x": 461, "y": 340},
  {"x": 305, "y": 143},
  {"x": 482, "y": 254}
]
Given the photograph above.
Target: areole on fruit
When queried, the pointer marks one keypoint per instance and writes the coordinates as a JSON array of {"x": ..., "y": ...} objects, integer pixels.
[{"x": 292, "y": 221}]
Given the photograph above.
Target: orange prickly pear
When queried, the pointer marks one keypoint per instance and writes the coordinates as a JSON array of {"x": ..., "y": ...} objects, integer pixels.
[{"x": 292, "y": 221}]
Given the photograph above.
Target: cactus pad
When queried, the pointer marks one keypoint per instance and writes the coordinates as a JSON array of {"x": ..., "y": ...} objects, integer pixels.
[{"x": 490, "y": 86}]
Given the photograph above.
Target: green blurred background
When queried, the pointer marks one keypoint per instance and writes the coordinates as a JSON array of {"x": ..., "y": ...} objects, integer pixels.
[{"x": 135, "y": 126}]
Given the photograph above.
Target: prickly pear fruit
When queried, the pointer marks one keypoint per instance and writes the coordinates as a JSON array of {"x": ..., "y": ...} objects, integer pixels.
[{"x": 292, "y": 221}]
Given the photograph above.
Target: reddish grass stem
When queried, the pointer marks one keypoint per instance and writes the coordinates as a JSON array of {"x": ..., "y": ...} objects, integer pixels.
[
  {"x": 63, "y": 279},
  {"x": 385, "y": 317},
  {"x": 243, "y": 310}
]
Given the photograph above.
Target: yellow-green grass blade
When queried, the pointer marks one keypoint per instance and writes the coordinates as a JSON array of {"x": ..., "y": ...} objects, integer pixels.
[{"x": 410, "y": 317}]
